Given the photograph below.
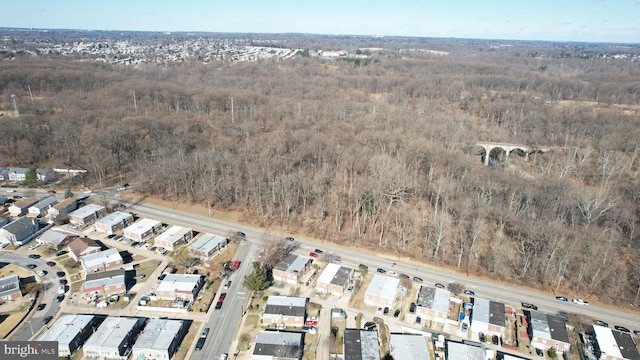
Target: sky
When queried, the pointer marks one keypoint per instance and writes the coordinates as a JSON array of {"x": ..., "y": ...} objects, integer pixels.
[{"x": 551, "y": 20}]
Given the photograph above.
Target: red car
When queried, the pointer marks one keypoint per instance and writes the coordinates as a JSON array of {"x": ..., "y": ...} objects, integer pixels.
[
  {"x": 312, "y": 254},
  {"x": 222, "y": 296},
  {"x": 51, "y": 263}
]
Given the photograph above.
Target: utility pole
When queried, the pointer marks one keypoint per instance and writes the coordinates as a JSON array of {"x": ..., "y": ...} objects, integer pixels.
[
  {"x": 232, "y": 118},
  {"x": 15, "y": 105}
]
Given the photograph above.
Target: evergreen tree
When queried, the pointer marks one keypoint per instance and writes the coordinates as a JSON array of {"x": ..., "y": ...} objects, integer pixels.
[{"x": 257, "y": 280}]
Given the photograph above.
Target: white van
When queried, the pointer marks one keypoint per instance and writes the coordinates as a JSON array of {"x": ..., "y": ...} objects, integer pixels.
[{"x": 62, "y": 289}]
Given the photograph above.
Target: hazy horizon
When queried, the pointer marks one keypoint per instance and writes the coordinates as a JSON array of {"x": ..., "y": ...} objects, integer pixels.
[{"x": 595, "y": 21}]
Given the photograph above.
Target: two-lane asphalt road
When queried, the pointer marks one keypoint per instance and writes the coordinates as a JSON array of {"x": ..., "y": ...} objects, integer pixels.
[{"x": 224, "y": 322}]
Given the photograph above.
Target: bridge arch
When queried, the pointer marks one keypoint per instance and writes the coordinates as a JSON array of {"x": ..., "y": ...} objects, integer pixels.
[{"x": 501, "y": 151}]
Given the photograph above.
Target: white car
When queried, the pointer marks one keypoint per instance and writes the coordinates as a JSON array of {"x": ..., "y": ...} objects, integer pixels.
[
  {"x": 580, "y": 302},
  {"x": 11, "y": 191},
  {"x": 42, "y": 273}
]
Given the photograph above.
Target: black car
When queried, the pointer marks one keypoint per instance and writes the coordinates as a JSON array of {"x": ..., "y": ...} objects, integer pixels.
[
  {"x": 412, "y": 308},
  {"x": 241, "y": 234},
  {"x": 539, "y": 352},
  {"x": 637, "y": 332},
  {"x": 396, "y": 313},
  {"x": 440, "y": 286},
  {"x": 219, "y": 305},
  {"x": 34, "y": 256},
  {"x": 200, "y": 343},
  {"x": 562, "y": 298},
  {"x": 418, "y": 320},
  {"x": 386, "y": 310},
  {"x": 60, "y": 297},
  {"x": 529, "y": 306},
  {"x": 417, "y": 279},
  {"x": 621, "y": 328},
  {"x": 32, "y": 266},
  {"x": 381, "y": 270},
  {"x": 111, "y": 236},
  {"x": 482, "y": 338},
  {"x": 60, "y": 274},
  {"x": 46, "y": 319},
  {"x": 600, "y": 323},
  {"x": 289, "y": 238},
  {"x": 469, "y": 292},
  {"x": 41, "y": 306},
  {"x": 318, "y": 251},
  {"x": 62, "y": 252},
  {"x": 495, "y": 340}
]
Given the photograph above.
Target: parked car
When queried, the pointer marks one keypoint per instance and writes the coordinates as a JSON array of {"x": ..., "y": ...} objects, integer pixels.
[
  {"x": 482, "y": 338},
  {"x": 289, "y": 238},
  {"x": 529, "y": 306},
  {"x": 418, "y": 320},
  {"x": 241, "y": 234},
  {"x": 223, "y": 356},
  {"x": 63, "y": 281},
  {"x": 539, "y": 352},
  {"x": 386, "y": 310},
  {"x": 412, "y": 308},
  {"x": 111, "y": 236},
  {"x": 46, "y": 319},
  {"x": 140, "y": 276},
  {"x": 61, "y": 252},
  {"x": 312, "y": 254},
  {"x": 465, "y": 327},
  {"x": 11, "y": 191},
  {"x": 42, "y": 272},
  {"x": 621, "y": 328},
  {"x": 222, "y": 297},
  {"x": 601, "y": 323},
  {"x": 382, "y": 271},
  {"x": 60, "y": 297},
  {"x": 34, "y": 256},
  {"x": 637, "y": 332},
  {"x": 41, "y": 306},
  {"x": 60, "y": 274},
  {"x": 205, "y": 332},
  {"x": 417, "y": 279},
  {"x": 396, "y": 313},
  {"x": 495, "y": 340},
  {"x": 318, "y": 251},
  {"x": 363, "y": 267},
  {"x": 562, "y": 298},
  {"x": 580, "y": 302},
  {"x": 227, "y": 284},
  {"x": 218, "y": 305},
  {"x": 469, "y": 292},
  {"x": 32, "y": 266},
  {"x": 440, "y": 286},
  {"x": 51, "y": 263},
  {"x": 200, "y": 343}
]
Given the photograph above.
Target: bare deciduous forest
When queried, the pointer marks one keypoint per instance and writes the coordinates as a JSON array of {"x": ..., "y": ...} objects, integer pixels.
[{"x": 378, "y": 153}]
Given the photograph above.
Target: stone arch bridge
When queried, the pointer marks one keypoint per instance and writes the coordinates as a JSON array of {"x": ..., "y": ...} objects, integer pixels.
[{"x": 522, "y": 150}]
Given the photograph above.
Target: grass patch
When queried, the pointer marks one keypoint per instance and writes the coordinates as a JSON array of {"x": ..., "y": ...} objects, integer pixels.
[{"x": 9, "y": 320}]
